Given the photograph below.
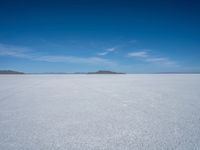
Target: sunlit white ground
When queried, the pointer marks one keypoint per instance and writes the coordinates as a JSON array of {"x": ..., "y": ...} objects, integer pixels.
[{"x": 111, "y": 112}]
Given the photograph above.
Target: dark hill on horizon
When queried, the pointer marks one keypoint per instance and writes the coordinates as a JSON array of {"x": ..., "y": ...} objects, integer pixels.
[
  {"x": 105, "y": 72},
  {"x": 10, "y": 72}
]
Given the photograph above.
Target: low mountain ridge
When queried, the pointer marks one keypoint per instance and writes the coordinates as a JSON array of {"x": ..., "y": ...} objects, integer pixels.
[
  {"x": 105, "y": 72},
  {"x": 10, "y": 72}
]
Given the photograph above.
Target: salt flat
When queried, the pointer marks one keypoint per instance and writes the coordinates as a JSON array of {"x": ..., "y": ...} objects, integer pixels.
[{"x": 111, "y": 112}]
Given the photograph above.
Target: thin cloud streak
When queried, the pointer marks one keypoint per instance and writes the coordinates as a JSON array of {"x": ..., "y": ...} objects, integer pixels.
[
  {"x": 162, "y": 60},
  {"x": 147, "y": 57},
  {"x": 73, "y": 59},
  {"x": 141, "y": 54},
  {"x": 26, "y": 53},
  {"x": 107, "y": 51},
  {"x": 22, "y": 52},
  {"x": 111, "y": 49},
  {"x": 7, "y": 50},
  {"x": 103, "y": 53}
]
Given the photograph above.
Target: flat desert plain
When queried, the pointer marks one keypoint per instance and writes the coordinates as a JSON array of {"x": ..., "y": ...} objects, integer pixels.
[{"x": 109, "y": 112}]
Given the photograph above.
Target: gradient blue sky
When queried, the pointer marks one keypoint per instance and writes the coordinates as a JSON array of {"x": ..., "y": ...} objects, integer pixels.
[{"x": 88, "y": 35}]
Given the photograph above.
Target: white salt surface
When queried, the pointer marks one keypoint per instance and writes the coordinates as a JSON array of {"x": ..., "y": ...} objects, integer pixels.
[{"x": 110, "y": 112}]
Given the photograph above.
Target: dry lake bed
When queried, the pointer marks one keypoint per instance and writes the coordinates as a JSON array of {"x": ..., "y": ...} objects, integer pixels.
[{"x": 109, "y": 112}]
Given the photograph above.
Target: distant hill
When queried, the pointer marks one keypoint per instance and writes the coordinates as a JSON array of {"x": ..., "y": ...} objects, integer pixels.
[
  {"x": 10, "y": 72},
  {"x": 105, "y": 72}
]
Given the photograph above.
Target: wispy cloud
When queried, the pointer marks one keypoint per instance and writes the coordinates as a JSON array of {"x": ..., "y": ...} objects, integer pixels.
[
  {"x": 22, "y": 52},
  {"x": 107, "y": 51},
  {"x": 79, "y": 60},
  {"x": 26, "y": 53},
  {"x": 162, "y": 60},
  {"x": 103, "y": 53},
  {"x": 144, "y": 55},
  {"x": 140, "y": 54},
  {"x": 14, "y": 51},
  {"x": 111, "y": 49}
]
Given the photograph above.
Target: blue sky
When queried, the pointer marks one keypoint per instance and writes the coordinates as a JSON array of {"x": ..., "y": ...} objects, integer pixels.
[{"x": 89, "y": 35}]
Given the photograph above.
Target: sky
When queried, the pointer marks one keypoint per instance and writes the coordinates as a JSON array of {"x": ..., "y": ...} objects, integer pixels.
[{"x": 133, "y": 36}]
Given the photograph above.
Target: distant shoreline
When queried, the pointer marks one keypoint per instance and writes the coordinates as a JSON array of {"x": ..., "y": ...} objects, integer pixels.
[{"x": 11, "y": 72}]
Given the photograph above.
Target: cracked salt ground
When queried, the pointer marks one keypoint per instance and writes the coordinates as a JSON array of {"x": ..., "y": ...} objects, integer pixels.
[{"x": 122, "y": 112}]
